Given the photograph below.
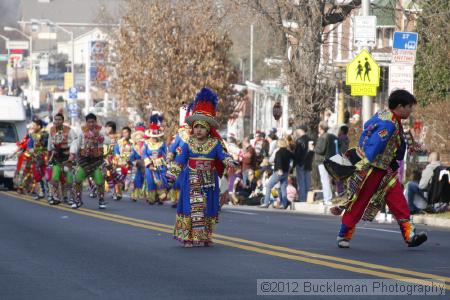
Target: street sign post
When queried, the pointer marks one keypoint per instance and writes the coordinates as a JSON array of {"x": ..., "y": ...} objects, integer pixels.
[
  {"x": 365, "y": 30},
  {"x": 401, "y": 77},
  {"x": 404, "y": 47},
  {"x": 363, "y": 75},
  {"x": 405, "y": 40}
]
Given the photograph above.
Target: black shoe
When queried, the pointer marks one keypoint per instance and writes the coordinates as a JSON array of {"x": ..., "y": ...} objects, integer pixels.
[
  {"x": 160, "y": 203},
  {"x": 101, "y": 204},
  {"x": 418, "y": 239},
  {"x": 174, "y": 205},
  {"x": 76, "y": 205}
]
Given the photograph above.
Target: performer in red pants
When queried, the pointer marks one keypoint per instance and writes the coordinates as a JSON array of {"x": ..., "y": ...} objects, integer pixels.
[{"x": 375, "y": 182}]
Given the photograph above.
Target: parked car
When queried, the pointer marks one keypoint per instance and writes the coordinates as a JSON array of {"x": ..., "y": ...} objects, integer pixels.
[{"x": 12, "y": 129}]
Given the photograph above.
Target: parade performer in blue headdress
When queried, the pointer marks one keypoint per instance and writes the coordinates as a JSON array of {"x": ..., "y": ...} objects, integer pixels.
[
  {"x": 154, "y": 155},
  {"x": 375, "y": 183},
  {"x": 199, "y": 163}
]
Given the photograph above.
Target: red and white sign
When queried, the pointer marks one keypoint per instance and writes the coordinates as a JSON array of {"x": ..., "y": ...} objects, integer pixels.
[
  {"x": 401, "y": 77},
  {"x": 401, "y": 56}
]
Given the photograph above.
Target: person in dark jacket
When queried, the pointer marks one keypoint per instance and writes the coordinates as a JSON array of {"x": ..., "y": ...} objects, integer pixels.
[
  {"x": 303, "y": 157},
  {"x": 327, "y": 146},
  {"x": 283, "y": 159}
]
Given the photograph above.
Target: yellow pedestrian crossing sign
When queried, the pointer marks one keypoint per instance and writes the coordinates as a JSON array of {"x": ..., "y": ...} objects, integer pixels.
[{"x": 363, "y": 74}]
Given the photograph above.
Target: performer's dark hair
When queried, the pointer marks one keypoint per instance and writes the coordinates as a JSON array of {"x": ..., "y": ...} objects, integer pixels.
[
  {"x": 344, "y": 129},
  {"x": 112, "y": 125},
  {"x": 401, "y": 97},
  {"x": 126, "y": 128},
  {"x": 38, "y": 122},
  {"x": 59, "y": 115},
  {"x": 91, "y": 116}
]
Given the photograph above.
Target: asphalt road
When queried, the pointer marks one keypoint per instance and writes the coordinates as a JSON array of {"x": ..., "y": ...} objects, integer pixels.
[{"x": 126, "y": 252}]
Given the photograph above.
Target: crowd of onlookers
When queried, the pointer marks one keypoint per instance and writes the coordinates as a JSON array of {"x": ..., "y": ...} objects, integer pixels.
[{"x": 279, "y": 170}]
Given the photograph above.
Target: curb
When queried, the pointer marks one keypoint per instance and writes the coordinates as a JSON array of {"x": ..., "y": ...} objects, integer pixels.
[{"x": 318, "y": 208}]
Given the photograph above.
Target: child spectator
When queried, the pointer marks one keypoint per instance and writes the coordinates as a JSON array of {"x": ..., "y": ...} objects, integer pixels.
[{"x": 291, "y": 192}]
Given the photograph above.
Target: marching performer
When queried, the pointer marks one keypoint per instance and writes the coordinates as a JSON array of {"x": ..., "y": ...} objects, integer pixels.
[
  {"x": 184, "y": 132},
  {"x": 23, "y": 175},
  {"x": 375, "y": 182},
  {"x": 199, "y": 163},
  {"x": 138, "y": 138},
  {"x": 87, "y": 148},
  {"x": 37, "y": 147},
  {"x": 61, "y": 137},
  {"x": 154, "y": 155},
  {"x": 112, "y": 177},
  {"x": 121, "y": 163}
]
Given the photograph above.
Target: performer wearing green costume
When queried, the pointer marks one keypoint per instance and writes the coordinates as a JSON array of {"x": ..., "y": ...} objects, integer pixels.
[
  {"x": 61, "y": 137},
  {"x": 88, "y": 150}
]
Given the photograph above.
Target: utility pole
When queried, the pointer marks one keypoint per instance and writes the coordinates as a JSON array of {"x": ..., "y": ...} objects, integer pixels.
[
  {"x": 251, "y": 53},
  {"x": 367, "y": 101}
]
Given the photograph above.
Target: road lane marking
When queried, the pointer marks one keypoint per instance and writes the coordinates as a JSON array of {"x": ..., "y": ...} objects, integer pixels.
[
  {"x": 240, "y": 212},
  {"x": 379, "y": 229},
  {"x": 253, "y": 246}
]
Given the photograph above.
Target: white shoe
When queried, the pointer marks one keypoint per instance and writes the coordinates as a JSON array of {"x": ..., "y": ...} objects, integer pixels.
[
  {"x": 343, "y": 243},
  {"x": 101, "y": 206}
]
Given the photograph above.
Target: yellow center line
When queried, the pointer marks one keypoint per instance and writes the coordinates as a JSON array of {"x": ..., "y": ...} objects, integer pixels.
[{"x": 252, "y": 246}]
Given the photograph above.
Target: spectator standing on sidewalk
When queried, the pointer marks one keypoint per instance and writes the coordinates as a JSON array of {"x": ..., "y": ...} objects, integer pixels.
[
  {"x": 248, "y": 159},
  {"x": 283, "y": 159},
  {"x": 303, "y": 162},
  {"x": 326, "y": 147}
]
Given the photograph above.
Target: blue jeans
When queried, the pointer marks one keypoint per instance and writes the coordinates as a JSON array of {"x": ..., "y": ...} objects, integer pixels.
[
  {"x": 273, "y": 180},
  {"x": 303, "y": 182},
  {"x": 413, "y": 189}
]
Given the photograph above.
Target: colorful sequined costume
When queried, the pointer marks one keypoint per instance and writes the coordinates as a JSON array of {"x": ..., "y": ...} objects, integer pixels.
[
  {"x": 375, "y": 181},
  {"x": 121, "y": 163},
  {"x": 154, "y": 155},
  {"x": 88, "y": 147},
  {"x": 37, "y": 147},
  {"x": 59, "y": 172},
  {"x": 112, "y": 177},
  {"x": 197, "y": 167},
  {"x": 24, "y": 176},
  {"x": 181, "y": 138},
  {"x": 139, "y": 191}
]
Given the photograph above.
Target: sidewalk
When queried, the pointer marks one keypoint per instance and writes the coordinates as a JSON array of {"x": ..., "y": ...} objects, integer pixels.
[{"x": 318, "y": 208}]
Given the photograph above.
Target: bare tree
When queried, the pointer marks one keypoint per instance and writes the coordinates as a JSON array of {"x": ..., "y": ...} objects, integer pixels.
[
  {"x": 301, "y": 24},
  {"x": 165, "y": 51}
]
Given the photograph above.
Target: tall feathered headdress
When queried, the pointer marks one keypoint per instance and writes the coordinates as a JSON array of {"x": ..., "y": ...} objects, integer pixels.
[{"x": 204, "y": 108}]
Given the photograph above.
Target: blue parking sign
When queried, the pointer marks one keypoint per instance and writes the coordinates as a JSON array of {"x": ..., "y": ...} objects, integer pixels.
[
  {"x": 405, "y": 40},
  {"x": 73, "y": 93}
]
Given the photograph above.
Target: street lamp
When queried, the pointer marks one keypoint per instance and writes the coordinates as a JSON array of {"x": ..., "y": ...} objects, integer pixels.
[
  {"x": 50, "y": 23},
  {"x": 8, "y": 65},
  {"x": 30, "y": 38}
]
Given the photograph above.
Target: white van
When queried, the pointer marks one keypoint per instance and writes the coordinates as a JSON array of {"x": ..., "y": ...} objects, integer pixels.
[{"x": 12, "y": 129}]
